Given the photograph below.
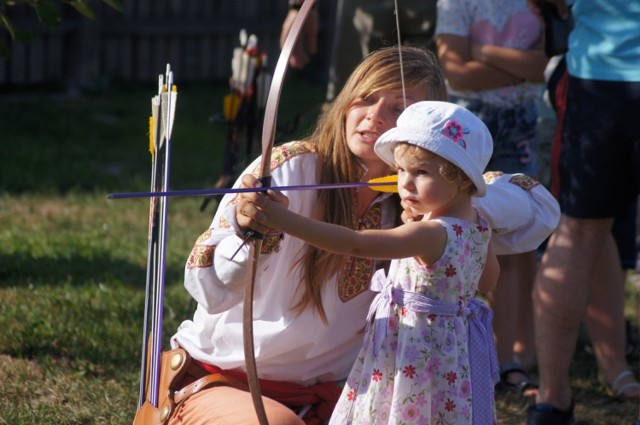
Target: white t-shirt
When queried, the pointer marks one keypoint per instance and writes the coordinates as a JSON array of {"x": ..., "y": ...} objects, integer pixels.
[{"x": 505, "y": 23}]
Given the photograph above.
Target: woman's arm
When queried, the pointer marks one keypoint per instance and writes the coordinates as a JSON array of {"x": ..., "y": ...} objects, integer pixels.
[
  {"x": 465, "y": 73},
  {"x": 214, "y": 280},
  {"x": 218, "y": 265},
  {"x": 211, "y": 279},
  {"x": 528, "y": 65}
]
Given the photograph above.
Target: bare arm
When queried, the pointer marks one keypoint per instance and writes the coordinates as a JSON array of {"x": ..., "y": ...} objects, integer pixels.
[
  {"x": 307, "y": 43},
  {"x": 423, "y": 239},
  {"x": 525, "y": 64},
  {"x": 465, "y": 73},
  {"x": 490, "y": 273}
]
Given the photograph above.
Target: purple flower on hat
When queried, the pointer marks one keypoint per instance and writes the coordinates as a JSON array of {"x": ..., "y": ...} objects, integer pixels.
[{"x": 455, "y": 132}]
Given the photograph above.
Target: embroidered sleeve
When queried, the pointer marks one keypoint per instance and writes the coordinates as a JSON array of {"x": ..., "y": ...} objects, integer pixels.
[
  {"x": 271, "y": 243},
  {"x": 218, "y": 266},
  {"x": 213, "y": 286},
  {"x": 201, "y": 254}
]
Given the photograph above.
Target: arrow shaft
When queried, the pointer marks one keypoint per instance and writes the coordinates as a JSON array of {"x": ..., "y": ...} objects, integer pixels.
[{"x": 220, "y": 192}]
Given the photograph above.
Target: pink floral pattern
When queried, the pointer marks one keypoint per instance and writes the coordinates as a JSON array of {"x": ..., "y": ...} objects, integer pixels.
[
  {"x": 421, "y": 374},
  {"x": 455, "y": 132}
]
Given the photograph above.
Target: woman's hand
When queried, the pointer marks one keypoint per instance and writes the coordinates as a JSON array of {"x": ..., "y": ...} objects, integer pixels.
[
  {"x": 250, "y": 213},
  {"x": 477, "y": 52}
]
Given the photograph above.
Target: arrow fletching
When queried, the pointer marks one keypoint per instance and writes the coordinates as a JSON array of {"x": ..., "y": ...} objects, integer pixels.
[{"x": 386, "y": 179}]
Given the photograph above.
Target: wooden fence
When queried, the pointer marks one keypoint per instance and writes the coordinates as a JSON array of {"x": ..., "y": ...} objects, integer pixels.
[{"x": 196, "y": 37}]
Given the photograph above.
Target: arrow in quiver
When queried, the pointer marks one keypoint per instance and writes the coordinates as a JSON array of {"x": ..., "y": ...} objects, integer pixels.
[
  {"x": 243, "y": 109},
  {"x": 156, "y": 374}
]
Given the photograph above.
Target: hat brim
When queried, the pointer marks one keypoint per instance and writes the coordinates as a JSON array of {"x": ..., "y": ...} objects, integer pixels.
[{"x": 387, "y": 142}]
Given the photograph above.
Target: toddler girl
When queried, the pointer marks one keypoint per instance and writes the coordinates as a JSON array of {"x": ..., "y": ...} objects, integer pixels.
[{"x": 428, "y": 355}]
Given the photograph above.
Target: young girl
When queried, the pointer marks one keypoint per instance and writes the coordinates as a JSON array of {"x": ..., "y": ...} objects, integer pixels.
[{"x": 428, "y": 355}]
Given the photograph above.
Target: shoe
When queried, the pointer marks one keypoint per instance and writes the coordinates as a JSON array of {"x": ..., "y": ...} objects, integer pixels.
[
  {"x": 546, "y": 414},
  {"x": 618, "y": 389},
  {"x": 521, "y": 387}
]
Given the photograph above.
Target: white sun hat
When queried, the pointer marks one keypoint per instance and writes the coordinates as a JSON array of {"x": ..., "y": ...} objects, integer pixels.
[{"x": 446, "y": 129}]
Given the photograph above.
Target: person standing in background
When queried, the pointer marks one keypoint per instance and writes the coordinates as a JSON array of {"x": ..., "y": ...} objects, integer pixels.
[
  {"x": 491, "y": 54},
  {"x": 361, "y": 26},
  {"x": 611, "y": 339},
  {"x": 598, "y": 178}
]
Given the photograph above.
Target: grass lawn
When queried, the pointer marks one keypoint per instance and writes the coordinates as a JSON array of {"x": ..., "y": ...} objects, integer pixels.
[{"x": 72, "y": 263}]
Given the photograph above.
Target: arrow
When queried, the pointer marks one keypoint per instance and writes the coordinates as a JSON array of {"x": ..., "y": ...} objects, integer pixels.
[{"x": 375, "y": 184}]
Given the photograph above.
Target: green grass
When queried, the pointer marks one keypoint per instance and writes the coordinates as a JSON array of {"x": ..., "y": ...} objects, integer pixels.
[{"x": 72, "y": 263}]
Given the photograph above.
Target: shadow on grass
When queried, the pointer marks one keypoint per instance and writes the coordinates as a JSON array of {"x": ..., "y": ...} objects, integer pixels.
[
  {"x": 81, "y": 313},
  {"x": 23, "y": 269}
]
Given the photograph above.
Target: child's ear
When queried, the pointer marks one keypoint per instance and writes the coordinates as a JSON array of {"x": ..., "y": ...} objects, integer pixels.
[{"x": 468, "y": 186}]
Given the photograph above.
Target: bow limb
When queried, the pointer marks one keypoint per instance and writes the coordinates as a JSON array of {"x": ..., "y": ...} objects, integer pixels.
[{"x": 268, "y": 138}]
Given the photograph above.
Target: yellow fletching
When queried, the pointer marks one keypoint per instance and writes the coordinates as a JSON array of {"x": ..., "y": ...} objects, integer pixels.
[
  {"x": 152, "y": 139},
  {"x": 231, "y": 106},
  {"x": 174, "y": 88},
  {"x": 386, "y": 179}
]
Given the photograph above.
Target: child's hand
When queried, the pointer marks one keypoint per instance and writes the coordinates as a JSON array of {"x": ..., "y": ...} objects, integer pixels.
[
  {"x": 249, "y": 215},
  {"x": 407, "y": 215}
]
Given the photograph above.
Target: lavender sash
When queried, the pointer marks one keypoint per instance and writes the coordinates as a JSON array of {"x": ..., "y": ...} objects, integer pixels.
[{"x": 483, "y": 360}]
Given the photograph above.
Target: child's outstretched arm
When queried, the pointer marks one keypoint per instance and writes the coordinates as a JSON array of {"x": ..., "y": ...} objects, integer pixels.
[{"x": 423, "y": 239}]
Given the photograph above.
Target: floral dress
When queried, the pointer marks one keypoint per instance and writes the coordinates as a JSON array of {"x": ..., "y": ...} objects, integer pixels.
[{"x": 428, "y": 355}]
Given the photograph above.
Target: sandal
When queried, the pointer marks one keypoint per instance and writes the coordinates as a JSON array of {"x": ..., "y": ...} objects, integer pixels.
[
  {"x": 521, "y": 387},
  {"x": 620, "y": 390},
  {"x": 546, "y": 414},
  {"x": 632, "y": 344}
]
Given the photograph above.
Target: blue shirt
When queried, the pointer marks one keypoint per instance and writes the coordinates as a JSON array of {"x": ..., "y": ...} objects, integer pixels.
[{"x": 605, "y": 41}]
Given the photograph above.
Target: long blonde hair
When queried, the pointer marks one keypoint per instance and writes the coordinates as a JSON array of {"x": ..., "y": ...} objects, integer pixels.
[{"x": 378, "y": 71}]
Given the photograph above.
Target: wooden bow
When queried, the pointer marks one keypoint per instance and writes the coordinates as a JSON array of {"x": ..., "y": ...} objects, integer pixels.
[{"x": 268, "y": 138}]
